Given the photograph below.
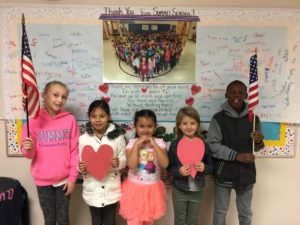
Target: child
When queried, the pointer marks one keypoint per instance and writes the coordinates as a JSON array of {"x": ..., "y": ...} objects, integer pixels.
[
  {"x": 103, "y": 195},
  {"x": 143, "y": 193},
  {"x": 53, "y": 148},
  {"x": 136, "y": 64},
  {"x": 187, "y": 190},
  {"x": 151, "y": 66},
  {"x": 230, "y": 137},
  {"x": 144, "y": 69},
  {"x": 157, "y": 63}
]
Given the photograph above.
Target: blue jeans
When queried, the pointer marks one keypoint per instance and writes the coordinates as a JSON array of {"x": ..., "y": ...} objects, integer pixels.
[{"x": 243, "y": 204}]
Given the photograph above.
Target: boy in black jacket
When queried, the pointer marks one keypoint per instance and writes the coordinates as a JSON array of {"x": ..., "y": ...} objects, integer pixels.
[{"x": 230, "y": 137}]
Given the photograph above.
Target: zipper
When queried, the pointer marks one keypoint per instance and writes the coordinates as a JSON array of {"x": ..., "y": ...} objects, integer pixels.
[{"x": 220, "y": 168}]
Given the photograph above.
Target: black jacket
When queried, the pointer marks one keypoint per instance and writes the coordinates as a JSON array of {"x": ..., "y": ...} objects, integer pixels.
[
  {"x": 230, "y": 134},
  {"x": 13, "y": 203}
]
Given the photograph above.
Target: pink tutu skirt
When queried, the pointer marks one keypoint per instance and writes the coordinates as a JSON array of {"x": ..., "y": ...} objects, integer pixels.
[{"x": 143, "y": 202}]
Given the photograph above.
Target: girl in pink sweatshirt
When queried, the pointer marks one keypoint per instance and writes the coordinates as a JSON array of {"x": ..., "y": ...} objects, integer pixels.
[{"x": 53, "y": 148}]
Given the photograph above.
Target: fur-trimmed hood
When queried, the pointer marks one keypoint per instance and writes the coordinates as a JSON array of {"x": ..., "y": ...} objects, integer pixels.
[{"x": 113, "y": 131}]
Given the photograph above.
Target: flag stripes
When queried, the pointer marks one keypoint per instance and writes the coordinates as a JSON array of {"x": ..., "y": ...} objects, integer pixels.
[
  {"x": 253, "y": 87},
  {"x": 30, "y": 100}
]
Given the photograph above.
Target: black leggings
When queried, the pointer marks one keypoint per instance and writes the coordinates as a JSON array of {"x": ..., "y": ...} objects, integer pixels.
[
  {"x": 54, "y": 204},
  {"x": 105, "y": 215}
]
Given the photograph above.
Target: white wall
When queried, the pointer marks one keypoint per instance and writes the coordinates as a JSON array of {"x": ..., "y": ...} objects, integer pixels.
[{"x": 276, "y": 198}]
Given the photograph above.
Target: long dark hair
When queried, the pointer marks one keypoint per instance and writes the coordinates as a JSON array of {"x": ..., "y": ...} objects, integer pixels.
[{"x": 94, "y": 105}]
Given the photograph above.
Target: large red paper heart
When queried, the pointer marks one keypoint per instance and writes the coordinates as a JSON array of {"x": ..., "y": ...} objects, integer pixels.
[
  {"x": 103, "y": 88},
  {"x": 189, "y": 101},
  {"x": 195, "y": 89},
  {"x": 190, "y": 151},
  {"x": 98, "y": 162}
]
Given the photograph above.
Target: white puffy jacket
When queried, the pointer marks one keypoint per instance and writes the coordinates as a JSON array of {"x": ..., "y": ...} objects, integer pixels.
[{"x": 107, "y": 191}]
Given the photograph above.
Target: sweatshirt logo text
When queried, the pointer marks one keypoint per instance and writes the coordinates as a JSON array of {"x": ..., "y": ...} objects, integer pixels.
[{"x": 53, "y": 135}]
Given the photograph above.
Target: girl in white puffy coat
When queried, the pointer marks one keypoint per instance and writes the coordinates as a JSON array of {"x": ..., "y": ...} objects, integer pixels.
[{"x": 102, "y": 195}]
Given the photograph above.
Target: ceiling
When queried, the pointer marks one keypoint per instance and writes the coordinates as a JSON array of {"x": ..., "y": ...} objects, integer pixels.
[{"x": 293, "y": 4}]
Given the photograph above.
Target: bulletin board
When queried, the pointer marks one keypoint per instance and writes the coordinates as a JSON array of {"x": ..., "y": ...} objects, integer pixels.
[
  {"x": 279, "y": 137},
  {"x": 67, "y": 44}
]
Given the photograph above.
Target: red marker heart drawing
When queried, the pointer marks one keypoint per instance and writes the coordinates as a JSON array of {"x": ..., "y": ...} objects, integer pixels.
[
  {"x": 104, "y": 88},
  {"x": 195, "y": 89},
  {"x": 106, "y": 98},
  {"x": 189, "y": 101},
  {"x": 144, "y": 89}
]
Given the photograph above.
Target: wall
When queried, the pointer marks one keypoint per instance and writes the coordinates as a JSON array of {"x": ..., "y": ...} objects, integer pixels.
[{"x": 276, "y": 198}]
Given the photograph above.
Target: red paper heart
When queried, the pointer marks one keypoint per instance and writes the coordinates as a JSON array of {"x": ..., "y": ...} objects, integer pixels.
[
  {"x": 103, "y": 87},
  {"x": 190, "y": 151},
  {"x": 98, "y": 162},
  {"x": 107, "y": 99},
  {"x": 144, "y": 89},
  {"x": 195, "y": 89},
  {"x": 189, "y": 101}
]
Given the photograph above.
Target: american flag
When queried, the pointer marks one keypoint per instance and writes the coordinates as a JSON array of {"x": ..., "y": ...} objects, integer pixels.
[
  {"x": 253, "y": 86},
  {"x": 31, "y": 103}
]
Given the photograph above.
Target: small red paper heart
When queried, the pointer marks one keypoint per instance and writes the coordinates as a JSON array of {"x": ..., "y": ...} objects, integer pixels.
[
  {"x": 144, "y": 89},
  {"x": 190, "y": 151},
  {"x": 189, "y": 101},
  {"x": 98, "y": 162},
  {"x": 195, "y": 89},
  {"x": 106, "y": 98},
  {"x": 104, "y": 88}
]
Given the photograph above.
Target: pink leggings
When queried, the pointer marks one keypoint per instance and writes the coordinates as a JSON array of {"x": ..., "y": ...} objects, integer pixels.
[{"x": 137, "y": 222}]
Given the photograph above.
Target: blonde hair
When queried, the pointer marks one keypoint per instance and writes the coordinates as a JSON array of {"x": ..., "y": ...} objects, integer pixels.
[
  {"x": 49, "y": 85},
  {"x": 189, "y": 112},
  {"x": 55, "y": 82}
]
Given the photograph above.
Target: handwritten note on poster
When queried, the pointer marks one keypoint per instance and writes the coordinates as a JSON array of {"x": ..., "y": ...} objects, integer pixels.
[
  {"x": 224, "y": 56},
  {"x": 164, "y": 99},
  {"x": 69, "y": 53}
]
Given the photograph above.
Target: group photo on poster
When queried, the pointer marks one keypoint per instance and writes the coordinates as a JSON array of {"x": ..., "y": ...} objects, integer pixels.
[{"x": 149, "y": 51}]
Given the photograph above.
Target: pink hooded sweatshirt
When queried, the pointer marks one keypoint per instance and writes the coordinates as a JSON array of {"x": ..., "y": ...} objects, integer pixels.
[{"x": 55, "y": 153}]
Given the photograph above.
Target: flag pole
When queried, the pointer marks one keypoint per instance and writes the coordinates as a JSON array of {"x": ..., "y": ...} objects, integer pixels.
[
  {"x": 253, "y": 141},
  {"x": 25, "y": 86}
]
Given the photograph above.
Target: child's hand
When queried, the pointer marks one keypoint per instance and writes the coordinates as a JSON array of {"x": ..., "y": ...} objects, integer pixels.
[
  {"x": 68, "y": 188},
  {"x": 82, "y": 167},
  {"x": 115, "y": 162},
  {"x": 245, "y": 157},
  {"x": 28, "y": 144},
  {"x": 185, "y": 170},
  {"x": 142, "y": 141},
  {"x": 151, "y": 141},
  {"x": 257, "y": 136},
  {"x": 200, "y": 166}
]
